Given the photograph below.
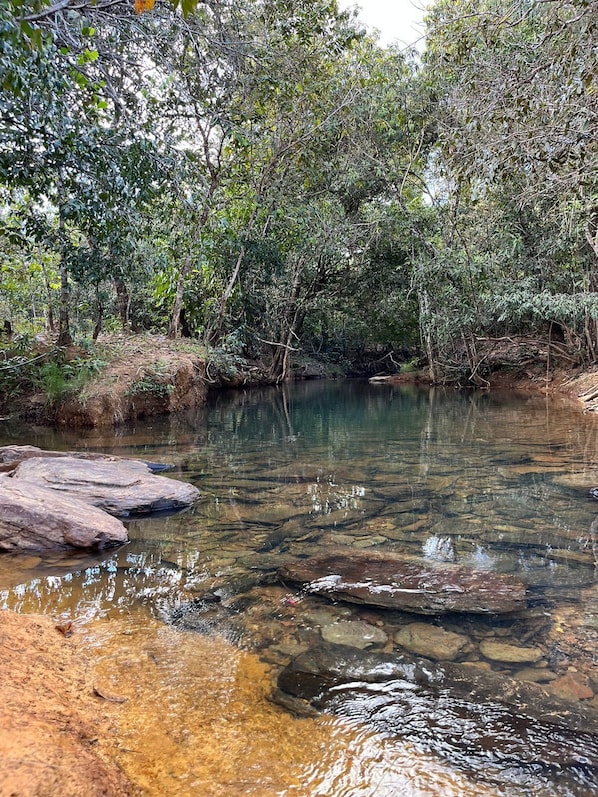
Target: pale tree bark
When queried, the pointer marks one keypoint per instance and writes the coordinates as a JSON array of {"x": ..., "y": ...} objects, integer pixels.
[
  {"x": 123, "y": 302},
  {"x": 64, "y": 332}
]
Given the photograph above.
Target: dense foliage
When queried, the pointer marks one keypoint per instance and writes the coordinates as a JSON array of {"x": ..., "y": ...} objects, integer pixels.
[{"x": 263, "y": 175}]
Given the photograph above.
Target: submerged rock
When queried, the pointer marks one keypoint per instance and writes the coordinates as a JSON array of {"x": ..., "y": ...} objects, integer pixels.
[
  {"x": 453, "y": 709},
  {"x": 355, "y": 633},
  {"x": 495, "y": 650},
  {"x": 392, "y": 582},
  {"x": 118, "y": 486},
  {"x": 35, "y": 518},
  {"x": 428, "y": 640}
]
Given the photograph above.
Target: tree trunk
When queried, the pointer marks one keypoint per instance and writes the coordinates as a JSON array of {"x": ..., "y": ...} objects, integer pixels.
[
  {"x": 175, "y": 316},
  {"x": 426, "y": 331},
  {"x": 64, "y": 331},
  {"x": 50, "y": 314},
  {"x": 289, "y": 329},
  {"x": 123, "y": 302},
  {"x": 215, "y": 332},
  {"x": 99, "y": 316}
]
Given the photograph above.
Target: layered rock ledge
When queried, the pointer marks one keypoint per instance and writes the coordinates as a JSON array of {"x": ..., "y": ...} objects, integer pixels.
[
  {"x": 391, "y": 582},
  {"x": 56, "y": 499}
]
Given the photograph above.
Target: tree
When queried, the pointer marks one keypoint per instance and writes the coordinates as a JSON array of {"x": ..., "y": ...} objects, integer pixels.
[{"x": 516, "y": 115}]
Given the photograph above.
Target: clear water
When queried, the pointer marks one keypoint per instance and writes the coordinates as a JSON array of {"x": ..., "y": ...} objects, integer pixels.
[{"x": 489, "y": 481}]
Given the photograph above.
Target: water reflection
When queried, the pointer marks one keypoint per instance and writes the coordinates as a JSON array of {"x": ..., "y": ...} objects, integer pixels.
[{"x": 494, "y": 483}]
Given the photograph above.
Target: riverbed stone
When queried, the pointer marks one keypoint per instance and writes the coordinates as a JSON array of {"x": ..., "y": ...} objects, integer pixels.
[
  {"x": 429, "y": 640},
  {"x": 536, "y": 675},
  {"x": 120, "y": 487},
  {"x": 393, "y": 582},
  {"x": 354, "y": 633},
  {"x": 35, "y": 518},
  {"x": 496, "y": 650},
  {"x": 324, "y": 616},
  {"x": 572, "y": 686},
  {"x": 369, "y": 541},
  {"x": 452, "y": 707}
]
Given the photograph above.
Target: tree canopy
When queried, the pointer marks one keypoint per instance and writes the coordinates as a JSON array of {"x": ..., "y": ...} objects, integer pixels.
[{"x": 265, "y": 176}]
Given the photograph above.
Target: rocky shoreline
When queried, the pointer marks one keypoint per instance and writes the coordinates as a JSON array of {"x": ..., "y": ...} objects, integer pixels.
[{"x": 51, "y": 499}]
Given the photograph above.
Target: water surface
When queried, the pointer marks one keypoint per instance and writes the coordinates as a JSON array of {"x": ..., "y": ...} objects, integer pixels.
[{"x": 484, "y": 480}]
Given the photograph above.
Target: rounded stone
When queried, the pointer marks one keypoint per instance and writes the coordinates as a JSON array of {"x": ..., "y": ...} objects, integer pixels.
[
  {"x": 572, "y": 686},
  {"x": 536, "y": 675},
  {"x": 428, "y": 640},
  {"x": 512, "y": 654},
  {"x": 355, "y": 633}
]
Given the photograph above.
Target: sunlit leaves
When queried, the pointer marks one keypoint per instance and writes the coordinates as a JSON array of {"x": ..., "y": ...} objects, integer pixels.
[{"x": 143, "y": 5}]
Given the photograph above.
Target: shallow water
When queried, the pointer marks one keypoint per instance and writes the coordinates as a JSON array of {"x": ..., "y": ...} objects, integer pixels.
[{"x": 494, "y": 482}]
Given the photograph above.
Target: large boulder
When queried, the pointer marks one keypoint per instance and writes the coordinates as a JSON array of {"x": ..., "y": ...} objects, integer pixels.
[
  {"x": 35, "y": 518},
  {"x": 454, "y": 709},
  {"x": 392, "y": 582},
  {"x": 121, "y": 487}
]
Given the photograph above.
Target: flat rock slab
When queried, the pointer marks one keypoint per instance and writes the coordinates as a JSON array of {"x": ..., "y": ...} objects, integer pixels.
[
  {"x": 394, "y": 583},
  {"x": 121, "y": 487},
  {"x": 456, "y": 710},
  {"x": 35, "y": 518},
  {"x": 12, "y": 456}
]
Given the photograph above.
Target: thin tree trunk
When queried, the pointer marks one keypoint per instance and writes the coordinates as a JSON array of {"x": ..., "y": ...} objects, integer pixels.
[
  {"x": 123, "y": 301},
  {"x": 99, "y": 316},
  {"x": 64, "y": 332},
  {"x": 289, "y": 328},
  {"x": 175, "y": 315},
  {"x": 215, "y": 332},
  {"x": 50, "y": 313},
  {"x": 426, "y": 332}
]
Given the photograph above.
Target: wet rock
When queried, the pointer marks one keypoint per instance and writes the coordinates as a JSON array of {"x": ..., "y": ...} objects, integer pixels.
[
  {"x": 512, "y": 654},
  {"x": 453, "y": 709},
  {"x": 392, "y": 582},
  {"x": 35, "y": 518},
  {"x": 354, "y": 633},
  {"x": 535, "y": 675},
  {"x": 428, "y": 640},
  {"x": 11, "y": 456},
  {"x": 572, "y": 686},
  {"x": 120, "y": 487},
  {"x": 324, "y": 616},
  {"x": 370, "y": 541}
]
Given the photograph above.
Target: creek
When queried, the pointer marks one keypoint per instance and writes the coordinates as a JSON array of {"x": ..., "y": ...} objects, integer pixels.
[{"x": 495, "y": 482}]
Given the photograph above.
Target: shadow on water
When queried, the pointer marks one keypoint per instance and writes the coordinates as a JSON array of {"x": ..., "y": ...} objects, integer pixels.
[{"x": 486, "y": 481}]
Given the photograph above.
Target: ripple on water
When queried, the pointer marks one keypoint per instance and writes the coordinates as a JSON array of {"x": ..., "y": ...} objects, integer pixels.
[{"x": 197, "y": 721}]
